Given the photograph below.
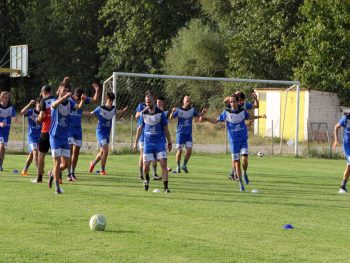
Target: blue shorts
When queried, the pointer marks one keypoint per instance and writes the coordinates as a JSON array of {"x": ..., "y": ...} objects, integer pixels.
[
  {"x": 59, "y": 147},
  {"x": 183, "y": 140},
  {"x": 102, "y": 139},
  {"x": 75, "y": 135},
  {"x": 4, "y": 136},
  {"x": 33, "y": 143},
  {"x": 154, "y": 152},
  {"x": 346, "y": 148},
  {"x": 238, "y": 149}
]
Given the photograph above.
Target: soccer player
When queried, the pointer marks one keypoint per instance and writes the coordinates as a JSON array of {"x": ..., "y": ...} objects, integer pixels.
[
  {"x": 246, "y": 106},
  {"x": 185, "y": 115},
  {"x": 235, "y": 123},
  {"x": 75, "y": 129},
  {"x": 345, "y": 123},
  {"x": 61, "y": 108},
  {"x": 105, "y": 115},
  {"x": 7, "y": 112},
  {"x": 34, "y": 130},
  {"x": 155, "y": 127},
  {"x": 44, "y": 118}
]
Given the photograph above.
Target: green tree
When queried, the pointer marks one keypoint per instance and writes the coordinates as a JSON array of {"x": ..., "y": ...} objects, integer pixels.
[
  {"x": 198, "y": 50},
  {"x": 138, "y": 33},
  {"x": 319, "y": 49}
]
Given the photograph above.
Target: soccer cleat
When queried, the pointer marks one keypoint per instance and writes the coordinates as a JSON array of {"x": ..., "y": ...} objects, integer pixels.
[
  {"x": 141, "y": 177},
  {"x": 185, "y": 169},
  {"x": 342, "y": 190},
  {"x": 178, "y": 170},
  {"x": 74, "y": 177},
  {"x": 146, "y": 185},
  {"x": 69, "y": 178},
  {"x": 241, "y": 188},
  {"x": 157, "y": 177},
  {"x": 246, "y": 179},
  {"x": 92, "y": 166},
  {"x": 36, "y": 181},
  {"x": 49, "y": 183},
  {"x": 166, "y": 190},
  {"x": 59, "y": 191},
  {"x": 103, "y": 173},
  {"x": 24, "y": 173},
  {"x": 169, "y": 169},
  {"x": 1, "y": 169}
]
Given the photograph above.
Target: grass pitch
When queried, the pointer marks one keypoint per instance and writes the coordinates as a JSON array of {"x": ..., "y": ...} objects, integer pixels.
[{"x": 204, "y": 219}]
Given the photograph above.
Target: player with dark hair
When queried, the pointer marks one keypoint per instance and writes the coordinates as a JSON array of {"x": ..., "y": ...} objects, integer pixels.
[
  {"x": 345, "y": 123},
  {"x": 185, "y": 116},
  {"x": 105, "y": 115},
  {"x": 75, "y": 128},
  {"x": 154, "y": 125},
  {"x": 235, "y": 123},
  {"x": 34, "y": 130},
  {"x": 7, "y": 112}
]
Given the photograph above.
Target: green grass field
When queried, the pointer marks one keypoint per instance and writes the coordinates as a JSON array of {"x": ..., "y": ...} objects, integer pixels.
[{"x": 204, "y": 219}]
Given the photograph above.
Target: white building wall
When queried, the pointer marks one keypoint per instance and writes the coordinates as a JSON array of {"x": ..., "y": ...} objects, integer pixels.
[
  {"x": 324, "y": 107},
  {"x": 273, "y": 113}
]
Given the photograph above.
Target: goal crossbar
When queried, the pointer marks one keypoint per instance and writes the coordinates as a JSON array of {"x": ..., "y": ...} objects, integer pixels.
[{"x": 296, "y": 84}]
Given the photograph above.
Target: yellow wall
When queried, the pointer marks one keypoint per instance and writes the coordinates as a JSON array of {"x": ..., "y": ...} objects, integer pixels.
[
  {"x": 262, "y": 110},
  {"x": 290, "y": 121}
]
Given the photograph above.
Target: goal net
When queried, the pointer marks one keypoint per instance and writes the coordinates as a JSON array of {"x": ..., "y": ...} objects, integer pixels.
[{"x": 208, "y": 93}]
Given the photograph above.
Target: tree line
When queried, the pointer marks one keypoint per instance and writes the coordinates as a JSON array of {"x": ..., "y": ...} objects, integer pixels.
[{"x": 305, "y": 40}]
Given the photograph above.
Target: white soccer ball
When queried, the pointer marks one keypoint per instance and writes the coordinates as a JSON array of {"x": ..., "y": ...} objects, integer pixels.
[
  {"x": 98, "y": 223},
  {"x": 260, "y": 154}
]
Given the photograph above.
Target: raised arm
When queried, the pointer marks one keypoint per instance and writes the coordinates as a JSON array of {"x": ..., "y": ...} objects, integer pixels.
[
  {"x": 60, "y": 100},
  {"x": 120, "y": 112},
  {"x": 27, "y": 107},
  {"x": 256, "y": 101},
  {"x": 171, "y": 117},
  {"x": 97, "y": 92},
  {"x": 81, "y": 103}
]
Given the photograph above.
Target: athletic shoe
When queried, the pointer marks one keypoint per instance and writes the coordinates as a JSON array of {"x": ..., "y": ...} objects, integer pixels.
[
  {"x": 166, "y": 190},
  {"x": 59, "y": 191},
  {"x": 36, "y": 181},
  {"x": 146, "y": 185},
  {"x": 169, "y": 169},
  {"x": 245, "y": 177},
  {"x": 69, "y": 178},
  {"x": 74, "y": 177},
  {"x": 178, "y": 170},
  {"x": 141, "y": 177},
  {"x": 241, "y": 188},
  {"x": 24, "y": 173},
  {"x": 157, "y": 177},
  {"x": 342, "y": 190},
  {"x": 185, "y": 169},
  {"x": 103, "y": 173},
  {"x": 92, "y": 166},
  {"x": 1, "y": 169},
  {"x": 49, "y": 183}
]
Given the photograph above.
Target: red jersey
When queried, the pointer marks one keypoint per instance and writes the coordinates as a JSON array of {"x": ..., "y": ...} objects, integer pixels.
[{"x": 45, "y": 106}]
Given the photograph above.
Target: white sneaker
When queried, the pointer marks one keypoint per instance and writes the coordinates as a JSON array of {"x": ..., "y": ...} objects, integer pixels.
[{"x": 342, "y": 191}]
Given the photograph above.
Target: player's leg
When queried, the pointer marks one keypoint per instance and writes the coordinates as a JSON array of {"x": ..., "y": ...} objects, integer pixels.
[
  {"x": 188, "y": 145},
  {"x": 180, "y": 143},
  {"x": 162, "y": 157},
  {"x": 56, "y": 171},
  {"x": 140, "y": 144},
  {"x": 101, "y": 141},
  {"x": 154, "y": 169},
  {"x": 235, "y": 150},
  {"x": 44, "y": 145},
  {"x": 104, "y": 158},
  {"x": 346, "y": 174},
  {"x": 75, "y": 150},
  {"x": 244, "y": 155},
  {"x": 2, "y": 152},
  {"x": 65, "y": 159},
  {"x": 28, "y": 162}
]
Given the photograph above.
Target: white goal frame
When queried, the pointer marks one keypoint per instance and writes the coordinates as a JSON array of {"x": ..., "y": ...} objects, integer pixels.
[{"x": 115, "y": 76}]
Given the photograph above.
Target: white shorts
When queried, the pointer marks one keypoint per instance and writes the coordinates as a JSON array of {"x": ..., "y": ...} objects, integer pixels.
[
  {"x": 72, "y": 140},
  {"x": 33, "y": 146},
  {"x": 237, "y": 156},
  {"x": 141, "y": 145},
  {"x": 60, "y": 152},
  {"x": 187, "y": 144},
  {"x": 2, "y": 141},
  {"x": 148, "y": 157}
]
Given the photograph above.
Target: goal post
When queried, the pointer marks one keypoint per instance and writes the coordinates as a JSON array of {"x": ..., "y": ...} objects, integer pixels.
[{"x": 120, "y": 82}]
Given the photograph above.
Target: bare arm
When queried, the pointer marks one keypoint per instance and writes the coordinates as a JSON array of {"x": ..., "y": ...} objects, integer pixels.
[
  {"x": 41, "y": 116},
  {"x": 60, "y": 100},
  {"x": 257, "y": 117},
  {"x": 97, "y": 92},
  {"x": 211, "y": 120},
  {"x": 171, "y": 117},
  {"x": 26, "y": 108},
  {"x": 168, "y": 138},
  {"x": 137, "y": 137},
  {"x": 81, "y": 103},
  {"x": 336, "y": 128},
  {"x": 256, "y": 101},
  {"x": 120, "y": 112},
  {"x": 88, "y": 113}
]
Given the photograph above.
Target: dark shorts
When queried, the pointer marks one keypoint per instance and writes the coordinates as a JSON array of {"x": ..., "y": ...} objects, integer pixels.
[{"x": 44, "y": 142}]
